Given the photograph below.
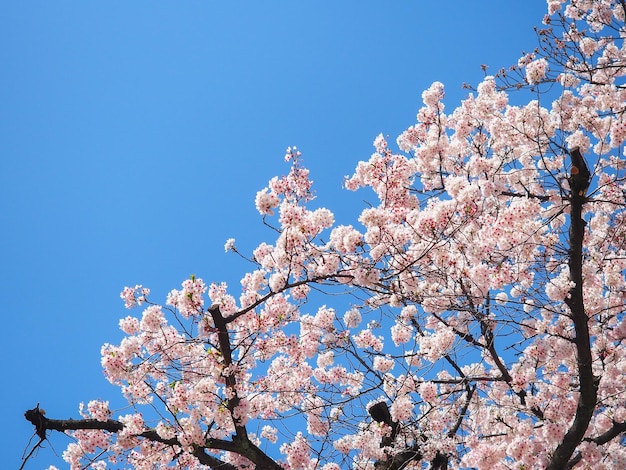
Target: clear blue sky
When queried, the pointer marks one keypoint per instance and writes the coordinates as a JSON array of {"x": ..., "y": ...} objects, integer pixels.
[{"x": 135, "y": 135}]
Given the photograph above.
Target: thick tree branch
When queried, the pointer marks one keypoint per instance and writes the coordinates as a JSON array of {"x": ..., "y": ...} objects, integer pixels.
[
  {"x": 238, "y": 445},
  {"x": 228, "y": 373},
  {"x": 381, "y": 414},
  {"x": 616, "y": 430},
  {"x": 244, "y": 445},
  {"x": 579, "y": 182},
  {"x": 43, "y": 424}
]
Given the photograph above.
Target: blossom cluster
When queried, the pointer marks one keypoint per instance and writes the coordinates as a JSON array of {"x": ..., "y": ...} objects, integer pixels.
[{"x": 460, "y": 285}]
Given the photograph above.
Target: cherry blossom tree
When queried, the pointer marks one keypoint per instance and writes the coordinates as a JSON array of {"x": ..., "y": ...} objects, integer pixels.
[{"x": 473, "y": 319}]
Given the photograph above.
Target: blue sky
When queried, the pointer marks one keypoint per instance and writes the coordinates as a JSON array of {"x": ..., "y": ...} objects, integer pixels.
[{"x": 135, "y": 135}]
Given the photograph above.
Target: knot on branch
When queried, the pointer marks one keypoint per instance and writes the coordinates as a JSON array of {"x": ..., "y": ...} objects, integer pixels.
[
  {"x": 580, "y": 176},
  {"x": 381, "y": 414},
  {"x": 36, "y": 418}
]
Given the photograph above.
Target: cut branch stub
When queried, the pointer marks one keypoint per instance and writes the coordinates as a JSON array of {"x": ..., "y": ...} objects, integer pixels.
[{"x": 36, "y": 418}]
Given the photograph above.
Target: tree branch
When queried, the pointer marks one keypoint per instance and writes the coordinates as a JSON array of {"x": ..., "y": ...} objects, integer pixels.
[
  {"x": 579, "y": 182},
  {"x": 616, "y": 430},
  {"x": 43, "y": 424},
  {"x": 244, "y": 445}
]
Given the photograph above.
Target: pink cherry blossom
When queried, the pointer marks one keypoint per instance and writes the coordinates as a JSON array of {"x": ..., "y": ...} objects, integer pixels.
[{"x": 480, "y": 296}]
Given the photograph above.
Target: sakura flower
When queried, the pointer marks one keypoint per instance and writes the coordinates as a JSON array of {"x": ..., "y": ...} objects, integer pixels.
[
  {"x": 536, "y": 71},
  {"x": 352, "y": 318},
  {"x": 383, "y": 364},
  {"x": 229, "y": 245},
  {"x": 266, "y": 201}
]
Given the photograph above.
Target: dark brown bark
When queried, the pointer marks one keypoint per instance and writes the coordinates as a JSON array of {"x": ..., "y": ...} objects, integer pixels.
[
  {"x": 381, "y": 414},
  {"x": 43, "y": 424},
  {"x": 616, "y": 430},
  {"x": 244, "y": 445},
  {"x": 579, "y": 182}
]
